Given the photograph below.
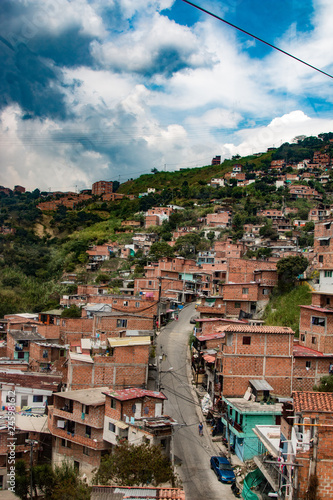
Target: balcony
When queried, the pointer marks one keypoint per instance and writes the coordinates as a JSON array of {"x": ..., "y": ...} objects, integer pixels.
[
  {"x": 83, "y": 418},
  {"x": 96, "y": 444},
  {"x": 269, "y": 470}
]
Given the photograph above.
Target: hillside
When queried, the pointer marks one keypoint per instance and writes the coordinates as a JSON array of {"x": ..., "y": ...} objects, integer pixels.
[{"x": 37, "y": 248}]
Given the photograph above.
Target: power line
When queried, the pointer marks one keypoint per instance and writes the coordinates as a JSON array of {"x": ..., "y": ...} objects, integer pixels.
[{"x": 257, "y": 38}]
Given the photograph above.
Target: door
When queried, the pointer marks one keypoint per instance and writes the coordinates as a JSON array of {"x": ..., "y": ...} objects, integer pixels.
[
  {"x": 138, "y": 409},
  {"x": 158, "y": 409},
  {"x": 24, "y": 401}
]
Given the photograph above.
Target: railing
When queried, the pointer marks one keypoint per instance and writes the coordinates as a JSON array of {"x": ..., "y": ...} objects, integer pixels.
[{"x": 76, "y": 438}]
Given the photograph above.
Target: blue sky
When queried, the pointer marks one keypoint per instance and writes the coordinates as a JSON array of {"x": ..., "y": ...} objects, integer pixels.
[{"x": 109, "y": 89}]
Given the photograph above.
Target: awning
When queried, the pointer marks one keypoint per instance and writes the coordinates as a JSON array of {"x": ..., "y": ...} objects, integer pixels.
[
  {"x": 209, "y": 358},
  {"x": 324, "y": 238},
  {"x": 171, "y": 310}
]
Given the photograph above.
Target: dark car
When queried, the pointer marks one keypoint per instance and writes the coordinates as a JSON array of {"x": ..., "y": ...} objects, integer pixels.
[{"x": 223, "y": 469}]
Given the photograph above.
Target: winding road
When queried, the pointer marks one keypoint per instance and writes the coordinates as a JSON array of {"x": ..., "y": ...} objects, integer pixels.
[{"x": 191, "y": 452}]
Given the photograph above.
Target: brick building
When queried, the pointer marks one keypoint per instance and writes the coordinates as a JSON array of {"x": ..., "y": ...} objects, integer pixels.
[
  {"x": 76, "y": 421},
  {"x": 102, "y": 187},
  {"x": 124, "y": 363},
  {"x": 222, "y": 219},
  {"x": 304, "y": 443},
  {"x": 256, "y": 352},
  {"x": 137, "y": 416}
]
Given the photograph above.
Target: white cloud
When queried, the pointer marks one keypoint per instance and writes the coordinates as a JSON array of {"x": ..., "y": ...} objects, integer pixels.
[{"x": 281, "y": 129}]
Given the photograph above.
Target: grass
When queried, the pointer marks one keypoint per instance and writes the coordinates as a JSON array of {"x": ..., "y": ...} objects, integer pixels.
[{"x": 284, "y": 310}]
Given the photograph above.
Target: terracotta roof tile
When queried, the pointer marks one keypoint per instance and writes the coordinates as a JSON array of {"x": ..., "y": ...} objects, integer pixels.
[
  {"x": 301, "y": 351},
  {"x": 313, "y": 401},
  {"x": 259, "y": 329}
]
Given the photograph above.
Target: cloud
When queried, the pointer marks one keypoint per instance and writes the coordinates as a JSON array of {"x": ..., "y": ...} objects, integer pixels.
[
  {"x": 281, "y": 129},
  {"x": 95, "y": 89},
  {"x": 157, "y": 45}
]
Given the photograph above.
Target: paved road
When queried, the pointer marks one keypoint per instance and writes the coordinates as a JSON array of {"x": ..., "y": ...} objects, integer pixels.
[{"x": 191, "y": 452}]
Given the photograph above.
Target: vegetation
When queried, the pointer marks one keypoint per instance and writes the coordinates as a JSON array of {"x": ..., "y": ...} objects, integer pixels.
[
  {"x": 283, "y": 309},
  {"x": 288, "y": 269},
  {"x": 135, "y": 465},
  {"x": 43, "y": 246},
  {"x": 325, "y": 384},
  {"x": 60, "y": 483}
]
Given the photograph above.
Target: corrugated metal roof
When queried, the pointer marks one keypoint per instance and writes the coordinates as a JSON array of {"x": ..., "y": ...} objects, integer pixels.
[
  {"x": 85, "y": 358},
  {"x": 261, "y": 385},
  {"x": 128, "y": 341}
]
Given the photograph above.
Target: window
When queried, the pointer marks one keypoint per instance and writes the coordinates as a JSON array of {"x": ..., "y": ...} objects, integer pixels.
[
  {"x": 307, "y": 364},
  {"x": 149, "y": 283},
  {"x": 246, "y": 340},
  {"x": 37, "y": 399},
  {"x": 88, "y": 431},
  {"x": 65, "y": 443},
  {"x": 63, "y": 322},
  {"x": 237, "y": 305},
  {"x": 122, "y": 323},
  {"x": 328, "y": 274},
  {"x": 137, "y": 304},
  {"x": 85, "y": 450},
  {"x": 245, "y": 291},
  {"x": 302, "y": 337},
  {"x": 133, "y": 408},
  {"x": 125, "y": 303},
  {"x": 318, "y": 321},
  {"x": 20, "y": 355},
  {"x": 112, "y": 427},
  {"x": 321, "y": 258},
  {"x": 314, "y": 340},
  {"x": 265, "y": 291},
  {"x": 85, "y": 409},
  {"x": 113, "y": 403},
  {"x": 325, "y": 243},
  {"x": 115, "y": 301}
]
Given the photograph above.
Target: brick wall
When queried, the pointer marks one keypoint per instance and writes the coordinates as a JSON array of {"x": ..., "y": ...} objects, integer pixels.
[
  {"x": 268, "y": 356},
  {"x": 126, "y": 407},
  {"x": 127, "y": 367},
  {"x": 315, "y": 336},
  {"x": 305, "y": 379},
  {"x": 242, "y": 271}
]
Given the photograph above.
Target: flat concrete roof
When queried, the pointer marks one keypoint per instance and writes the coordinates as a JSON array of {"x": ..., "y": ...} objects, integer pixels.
[{"x": 92, "y": 397}]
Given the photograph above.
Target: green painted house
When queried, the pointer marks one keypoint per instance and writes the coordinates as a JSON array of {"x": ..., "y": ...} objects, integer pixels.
[{"x": 240, "y": 418}]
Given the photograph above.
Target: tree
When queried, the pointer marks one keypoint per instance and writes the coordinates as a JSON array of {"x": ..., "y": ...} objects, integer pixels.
[
  {"x": 161, "y": 249},
  {"x": 288, "y": 269},
  {"x": 62, "y": 483},
  {"x": 211, "y": 236},
  {"x": 135, "y": 465},
  {"x": 71, "y": 312},
  {"x": 325, "y": 384}
]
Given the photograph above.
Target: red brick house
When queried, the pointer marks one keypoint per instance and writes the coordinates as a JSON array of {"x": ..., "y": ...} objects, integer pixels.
[
  {"x": 76, "y": 421},
  {"x": 257, "y": 352},
  {"x": 137, "y": 416},
  {"x": 309, "y": 366},
  {"x": 123, "y": 364}
]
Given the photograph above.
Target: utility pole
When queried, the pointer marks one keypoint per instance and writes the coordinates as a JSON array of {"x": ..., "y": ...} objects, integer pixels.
[
  {"x": 31, "y": 442},
  {"x": 159, "y": 301}
]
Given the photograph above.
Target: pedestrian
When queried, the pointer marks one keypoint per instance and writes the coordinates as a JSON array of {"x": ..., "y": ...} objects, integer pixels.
[
  {"x": 200, "y": 429},
  {"x": 176, "y": 317}
]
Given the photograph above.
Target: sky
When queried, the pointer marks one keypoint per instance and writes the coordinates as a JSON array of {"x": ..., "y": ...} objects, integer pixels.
[{"x": 109, "y": 89}]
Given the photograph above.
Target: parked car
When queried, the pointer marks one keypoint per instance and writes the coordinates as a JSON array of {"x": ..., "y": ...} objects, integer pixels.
[
  {"x": 194, "y": 319},
  {"x": 223, "y": 469}
]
